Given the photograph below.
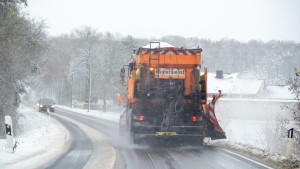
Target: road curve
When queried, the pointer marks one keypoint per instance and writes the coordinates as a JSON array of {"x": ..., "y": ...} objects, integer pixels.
[
  {"x": 79, "y": 152},
  {"x": 162, "y": 156}
]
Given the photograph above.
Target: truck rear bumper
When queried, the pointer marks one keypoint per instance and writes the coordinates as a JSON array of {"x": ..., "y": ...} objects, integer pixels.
[
  {"x": 174, "y": 131},
  {"x": 167, "y": 134}
]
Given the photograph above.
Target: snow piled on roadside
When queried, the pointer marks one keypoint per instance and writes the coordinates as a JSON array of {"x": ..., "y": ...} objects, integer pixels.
[
  {"x": 42, "y": 138},
  {"x": 112, "y": 115},
  {"x": 255, "y": 126},
  {"x": 252, "y": 114},
  {"x": 39, "y": 133}
]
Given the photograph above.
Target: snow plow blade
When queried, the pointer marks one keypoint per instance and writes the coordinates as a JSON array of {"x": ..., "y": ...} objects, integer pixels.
[
  {"x": 214, "y": 130},
  {"x": 217, "y": 133}
]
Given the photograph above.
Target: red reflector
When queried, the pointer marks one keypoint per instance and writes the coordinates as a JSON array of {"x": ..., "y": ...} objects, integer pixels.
[
  {"x": 142, "y": 118},
  {"x": 194, "y": 118}
]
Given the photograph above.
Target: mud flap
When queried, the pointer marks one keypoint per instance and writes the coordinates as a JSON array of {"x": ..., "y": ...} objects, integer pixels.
[{"x": 214, "y": 130}]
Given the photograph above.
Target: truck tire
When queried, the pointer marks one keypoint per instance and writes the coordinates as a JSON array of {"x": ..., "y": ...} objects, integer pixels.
[
  {"x": 203, "y": 90},
  {"x": 199, "y": 141},
  {"x": 134, "y": 138},
  {"x": 196, "y": 141}
]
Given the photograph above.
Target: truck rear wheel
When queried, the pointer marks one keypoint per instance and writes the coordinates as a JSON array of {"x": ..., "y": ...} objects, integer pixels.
[
  {"x": 195, "y": 141},
  {"x": 134, "y": 138},
  {"x": 198, "y": 141}
]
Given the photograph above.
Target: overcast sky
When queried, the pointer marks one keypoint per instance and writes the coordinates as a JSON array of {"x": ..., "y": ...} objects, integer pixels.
[{"x": 242, "y": 20}]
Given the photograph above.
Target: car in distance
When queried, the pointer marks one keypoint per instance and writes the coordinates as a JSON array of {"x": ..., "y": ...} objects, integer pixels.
[{"x": 44, "y": 104}]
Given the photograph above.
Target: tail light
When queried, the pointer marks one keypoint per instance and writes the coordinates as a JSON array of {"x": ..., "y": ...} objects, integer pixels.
[
  {"x": 196, "y": 118},
  {"x": 140, "y": 118}
]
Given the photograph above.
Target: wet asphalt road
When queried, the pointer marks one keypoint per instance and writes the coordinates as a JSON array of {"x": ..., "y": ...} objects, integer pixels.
[
  {"x": 153, "y": 156},
  {"x": 80, "y": 149}
]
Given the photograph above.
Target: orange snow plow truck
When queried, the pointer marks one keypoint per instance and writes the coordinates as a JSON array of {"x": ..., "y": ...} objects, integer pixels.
[{"x": 167, "y": 95}]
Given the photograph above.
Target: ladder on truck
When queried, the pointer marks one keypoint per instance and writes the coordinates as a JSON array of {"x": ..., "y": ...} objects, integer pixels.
[
  {"x": 156, "y": 51},
  {"x": 169, "y": 109}
]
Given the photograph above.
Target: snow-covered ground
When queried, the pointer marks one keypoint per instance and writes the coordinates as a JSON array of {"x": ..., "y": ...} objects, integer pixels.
[
  {"x": 231, "y": 85},
  {"x": 251, "y": 114},
  {"x": 39, "y": 133},
  {"x": 255, "y": 123}
]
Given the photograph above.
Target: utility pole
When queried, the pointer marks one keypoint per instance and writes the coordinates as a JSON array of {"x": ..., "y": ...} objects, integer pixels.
[
  {"x": 72, "y": 90},
  {"x": 90, "y": 86},
  {"x": 9, "y": 132},
  {"x": 60, "y": 95},
  {"x": 1, "y": 83},
  {"x": 52, "y": 89},
  {"x": 90, "y": 79}
]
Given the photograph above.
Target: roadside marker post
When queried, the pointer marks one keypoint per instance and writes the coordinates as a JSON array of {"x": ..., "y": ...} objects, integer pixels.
[
  {"x": 289, "y": 143},
  {"x": 9, "y": 132}
]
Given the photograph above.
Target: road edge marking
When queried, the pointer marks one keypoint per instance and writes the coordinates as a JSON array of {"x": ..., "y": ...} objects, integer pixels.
[{"x": 244, "y": 157}]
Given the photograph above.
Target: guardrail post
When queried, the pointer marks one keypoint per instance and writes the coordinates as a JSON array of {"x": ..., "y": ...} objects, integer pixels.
[
  {"x": 9, "y": 132},
  {"x": 289, "y": 143}
]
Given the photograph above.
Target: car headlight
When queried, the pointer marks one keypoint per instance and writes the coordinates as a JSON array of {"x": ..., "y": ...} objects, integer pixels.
[
  {"x": 41, "y": 105},
  {"x": 52, "y": 106}
]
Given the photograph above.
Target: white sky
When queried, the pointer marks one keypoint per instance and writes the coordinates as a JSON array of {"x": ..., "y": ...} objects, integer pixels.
[{"x": 211, "y": 19}]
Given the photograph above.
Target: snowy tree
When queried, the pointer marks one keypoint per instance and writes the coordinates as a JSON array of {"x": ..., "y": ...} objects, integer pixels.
[
  {"x": 54, "y": 68},
  {"x": 294, "y": 84},
  {"x": 177, "y": 41},
  {"x": 295, "y": 89},
  {"x": 83, "y": 50},
  {"x": 130, "y": 42},
  {"x": 113, "y": 55},
  {"x": 6, "y": 5},
  {"x": 85, "y": 58},
  {"x": 21, "y": 42}
]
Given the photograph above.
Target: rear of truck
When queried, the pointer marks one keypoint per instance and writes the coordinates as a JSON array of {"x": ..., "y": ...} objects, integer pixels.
[{"x": 167, "y": 95}]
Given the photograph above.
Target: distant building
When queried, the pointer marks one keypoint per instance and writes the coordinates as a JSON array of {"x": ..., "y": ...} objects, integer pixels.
[{"x": 234, "y": 87}]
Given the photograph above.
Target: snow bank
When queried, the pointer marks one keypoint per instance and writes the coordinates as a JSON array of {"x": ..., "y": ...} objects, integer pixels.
[
  {"x": 43, "y": 138},
  {"x": 251, "y": 113},
  {"x": 255, "y": 123},
  {"x": 109, "y": 115}
]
